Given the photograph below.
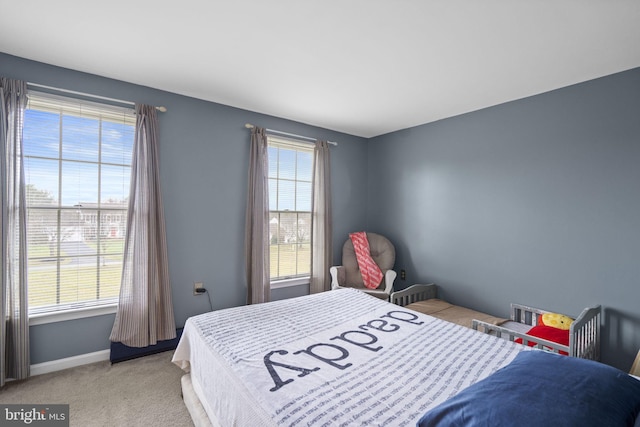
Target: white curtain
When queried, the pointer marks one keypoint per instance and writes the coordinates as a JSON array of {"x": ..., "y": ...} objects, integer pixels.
[
  {"x": 321, "y": 246},
  {"x": 145, "y": 309},
  {"x": 257, "y": 221},
  {"x": 14, "y": 325}
]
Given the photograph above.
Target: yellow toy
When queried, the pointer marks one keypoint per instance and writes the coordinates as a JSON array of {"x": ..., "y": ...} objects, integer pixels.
[{"x": 556, "y": 320}]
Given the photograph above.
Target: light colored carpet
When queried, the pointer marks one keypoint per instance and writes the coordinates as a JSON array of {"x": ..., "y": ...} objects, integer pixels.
[{"x": 139, "y": 392}]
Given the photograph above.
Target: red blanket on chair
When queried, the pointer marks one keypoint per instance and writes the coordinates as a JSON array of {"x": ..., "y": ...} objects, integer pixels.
[{"x": 371, "y": 273}]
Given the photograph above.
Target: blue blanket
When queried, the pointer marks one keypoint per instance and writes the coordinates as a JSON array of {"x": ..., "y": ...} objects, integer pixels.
[{"x": 544, "y": 389}]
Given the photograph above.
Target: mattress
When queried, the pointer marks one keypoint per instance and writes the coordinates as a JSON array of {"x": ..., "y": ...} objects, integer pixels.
[
  {"x": 453, "y": 313},
  {"x": 335, "y": 358}
]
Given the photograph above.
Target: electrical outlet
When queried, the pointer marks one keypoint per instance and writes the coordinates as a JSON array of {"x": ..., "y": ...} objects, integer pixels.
[
  {"x": 403, "y": 274},
  {"x": 196, "y": 286}
]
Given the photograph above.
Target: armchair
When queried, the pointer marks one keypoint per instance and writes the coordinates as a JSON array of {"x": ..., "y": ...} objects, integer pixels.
[{"x": 348, "y": 274}]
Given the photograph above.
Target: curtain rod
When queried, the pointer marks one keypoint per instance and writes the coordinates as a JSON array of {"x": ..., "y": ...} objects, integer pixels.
[
  {"x": 293, "y": 135},
  {"x": 88, "y": 95}
]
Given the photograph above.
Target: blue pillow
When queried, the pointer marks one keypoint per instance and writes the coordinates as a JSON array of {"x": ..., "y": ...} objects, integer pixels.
[{"x": 539, "y": 388}]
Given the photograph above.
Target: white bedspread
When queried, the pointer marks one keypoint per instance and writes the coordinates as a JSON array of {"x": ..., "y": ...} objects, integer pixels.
[{"x": 336, "y": 358}]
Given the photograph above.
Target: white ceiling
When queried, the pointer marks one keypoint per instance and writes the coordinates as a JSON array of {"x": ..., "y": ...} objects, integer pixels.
[{"x": 364, "y": 67}]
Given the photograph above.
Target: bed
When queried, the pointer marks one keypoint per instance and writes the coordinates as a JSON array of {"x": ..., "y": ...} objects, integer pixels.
[
  {"x": 335, "y": 358},
  {"x": 583, "y": 338}
]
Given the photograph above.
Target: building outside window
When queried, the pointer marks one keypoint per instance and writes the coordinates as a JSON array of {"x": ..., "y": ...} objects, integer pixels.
[{"x": 77, "y": 157}]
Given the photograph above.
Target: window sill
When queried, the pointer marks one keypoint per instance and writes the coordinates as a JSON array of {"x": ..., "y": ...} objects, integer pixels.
[
  {"x": 78, "y": 313},
  {"x": 287, "y": 283}
]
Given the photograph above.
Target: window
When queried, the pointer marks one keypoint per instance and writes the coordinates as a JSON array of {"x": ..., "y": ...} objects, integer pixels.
[
  {"x": 77, "y": 160},
  {"x": 290, "y": 176}
]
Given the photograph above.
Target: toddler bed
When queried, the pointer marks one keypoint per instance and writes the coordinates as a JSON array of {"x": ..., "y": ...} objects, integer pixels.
[{"x": 582, "y": 339}]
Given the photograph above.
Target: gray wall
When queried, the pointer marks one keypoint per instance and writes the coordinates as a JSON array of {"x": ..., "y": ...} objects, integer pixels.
[
  {"x": 535, "y": 201},
  {"x": 204, "y": 156}
]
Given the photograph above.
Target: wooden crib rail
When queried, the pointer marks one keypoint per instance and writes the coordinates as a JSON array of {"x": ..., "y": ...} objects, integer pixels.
[
  {"x": 413, "y": 294},
  {"x": 584, "y": 333},
  {"x": 511, "y": 335},
  {"x": 525, "y": 314}
]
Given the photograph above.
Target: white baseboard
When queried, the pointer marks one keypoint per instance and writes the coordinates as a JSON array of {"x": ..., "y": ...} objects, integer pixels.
[{"x": 69, "y": 362}]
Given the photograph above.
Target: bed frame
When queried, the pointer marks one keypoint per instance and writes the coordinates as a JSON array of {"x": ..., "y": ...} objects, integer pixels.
[
  {"x": 413, "y": 294},
  {"x": 194, "y": 406},
  {"x": 584, "y": 333}
]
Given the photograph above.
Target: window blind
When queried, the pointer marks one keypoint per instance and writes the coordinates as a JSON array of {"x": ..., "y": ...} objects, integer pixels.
[
  {"x": 290, "y": 176},
  {"x": 77, "y": 158}
]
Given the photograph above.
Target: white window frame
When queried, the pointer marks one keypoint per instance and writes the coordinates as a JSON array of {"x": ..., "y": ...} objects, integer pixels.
[
  {"x": 303, "y": 146},
  {"x": 104, "y": 306}
]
